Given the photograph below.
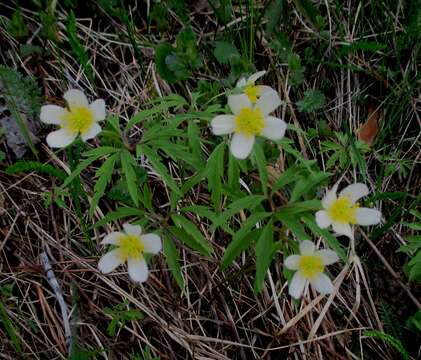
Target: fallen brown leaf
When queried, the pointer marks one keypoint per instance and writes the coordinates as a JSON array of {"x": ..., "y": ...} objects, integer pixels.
[{"x": 368, "y": 131}]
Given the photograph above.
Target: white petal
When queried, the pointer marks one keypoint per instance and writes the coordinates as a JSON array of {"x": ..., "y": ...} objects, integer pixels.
[
  {"x": 241, "y": 145},
  {"x": 111, "y": 238},
  {"x": 274, "y": 128},
  {"x": 109, "y": 261},
  {"x": 366, "y": 216},
  {"x": 328, "y": 256},
  {"x": 52, "y": 114},
  {"x": 354, "y": 192},
  {"x": 268, "y": 102},
  {"x": 323, "y": 219},
  {"x": 75, "y": 97},
  {"x": 98, "y": 109},
  {"x": 291, "y": 262},
  {"x": 307, "y": 247},
  {"x": 132, "y": 229},
  {"x": 322, "y": 284},
  {"x": 238, "y": 102},
  {"x": 296, "y": 286},
  {"x": 152, "y": 243},
  {"x": 92, "y": 132},
  {"x": 330, "y": 196},
  {"x": 138, "y": 270},
  {"x": 343, "y": 229},
  {"x": 263, "y": 89},
  {"x": 223, "y": 124},
  {"x": 60, "y": 138},
  {"x": 252, "y": 79},
  {"x": 241, "y": 83}
]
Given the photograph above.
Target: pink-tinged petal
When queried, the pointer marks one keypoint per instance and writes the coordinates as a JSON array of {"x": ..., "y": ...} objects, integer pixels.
[
  {"x": 241, "y": 145},
  {"x": 268, "y": 102},
  {"x": 91, "y": 133},
  {"x": 52, "y": 114},
  {"x": 367, "y": 216},
  {"x": 328, "y": 256},
  {"x": 322, "y": 284},
  {"x": 98, "y": 109},
  {"x": 343, "y": 229},
  {"x": 354, "y": 192},
  {"x": 330, "y": 196},
  {"x": 132, "y": 229},
  {"x": 238, "y": 102},
  {"x": 138, "y": 269},
  {"x": 296, "y": 287},
  {"x": 75, "y": 98},
  {"x": 274, "y": 128},
  {"x": 307, "y": 247},
  {"x": 322, "y": 219},
  {"x": 292, "y": 261},
  {"x": 223, "y": 124},
  {"x": 60, "y": 138},
  {"x": 111, "y": 238},
  {"x": 109, "y": 261},
  {"x": 152, "y": 243}
]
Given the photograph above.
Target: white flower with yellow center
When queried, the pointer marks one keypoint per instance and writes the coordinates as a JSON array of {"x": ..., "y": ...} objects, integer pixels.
[
  {"x": 343, "y": 211},
  {"x": 79, "y": 117},
  {"x": 131, "y": 247},
  {"x": 253, "y": 92},
  {"x": 309, "y": 266},
  {"x": 249, "y": 121}
]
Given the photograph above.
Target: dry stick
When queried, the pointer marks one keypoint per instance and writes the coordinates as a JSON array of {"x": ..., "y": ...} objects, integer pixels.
[
  {"x": 394, "y": 274},
  {"x": 52, "y": 280}
]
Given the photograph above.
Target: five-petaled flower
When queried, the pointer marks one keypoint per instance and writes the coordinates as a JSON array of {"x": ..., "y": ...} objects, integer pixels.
[
  {"x": 79, "y": 117},
  {"x": 248, "y": 121},
  {"x": 343, "y": 211},
  {"x": 131, "y": 245},
  {"x": 253, "y": 92},
  {"x": 309, "y": 266}
]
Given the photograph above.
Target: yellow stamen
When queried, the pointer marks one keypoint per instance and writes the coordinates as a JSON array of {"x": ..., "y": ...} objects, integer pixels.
[
  {"x": 310, "y": 266},
  {"x": 78, "y": 120},
  {"x": 342, "y": 211},
  {"x": 249, "y": 122},
  {"x": 130, "y": 246},
  {"x": 253, "y": 93}
]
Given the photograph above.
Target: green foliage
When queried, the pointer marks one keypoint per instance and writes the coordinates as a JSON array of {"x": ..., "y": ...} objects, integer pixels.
[
  {"x": 395, "y": 343},
  {"x": 225, "y": 52},
  {"x": 11, "y": 331},
  {"x": 172, "y": 256},
  {"x": 414, "y": 322},
  {"x": 120, "y": 314},
  {"x": 265, "y": 248},
  {"x": 17, "y": 26},
  {"x": 177, "y": 63},
  {"x": 25, "y": 166},
  {"x": 144, "y": 355},
  {"x": 313, "y": 100}
]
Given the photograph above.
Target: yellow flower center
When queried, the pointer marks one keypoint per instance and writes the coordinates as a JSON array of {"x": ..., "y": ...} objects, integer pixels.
[
  {"x": 78, "y": 120},
  {"x": 249, "y": 122},
  {"x": 130, "y": 246},
  {"x": 310, "y": 266},
  {"x": 342, "y": 211},
  {"x": 253, "y": 92}
]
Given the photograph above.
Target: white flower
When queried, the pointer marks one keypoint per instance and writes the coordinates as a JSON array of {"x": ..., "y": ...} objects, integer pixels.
[
  {"x": 249, "y": 121},
  {"x": 310, "y": 265},
  {"x": 79, "y": 117},
  {"x": 343, "y": 211},
  {"x": 253, "y": 92},
  {"x": 131, "y": 245}
]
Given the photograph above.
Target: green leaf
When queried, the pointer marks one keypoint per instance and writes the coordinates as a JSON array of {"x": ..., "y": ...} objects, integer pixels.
[
  {"x": 260, "y": 160},
  {"x": 300, "y": 207},
  {"x": 200, "y": 243},
  {"x": 233, "y": 173},
  {"x": 288, "y": 176},
  {"x": 264, "y": 255},
  {"x": 104, "y": 174},
  {"x": 293, "y": 224},
  {"x": 306, "y": 184},
  {"x": 162, "y": 51},
  {"x": 313, "y": 100},
  {"x": 159, "y": 168},
  {"x": 395, "y": 343},
  {"x": 128, "y": 164},
  {"x": 172, "y": 256},
  {"x": 214, "y": 173},
  {"x": 120, "y": 213},
  {"x": 225, "y": 52},
  {"x": 236, "y": 245}
]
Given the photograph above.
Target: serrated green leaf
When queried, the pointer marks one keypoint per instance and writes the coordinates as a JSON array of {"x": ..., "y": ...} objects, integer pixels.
[
  {"x": 288, "y": 176},
  {"x": 201, "y": 244},
  {"x": 260, "y": 159},
  {"x": 127, "y": 164},
  {"x": 293, "y": 224},
  {"x": 120, "y": 213},
  {"x": 172, "y": 255},
  {"x": 308, "y": 183},
  {"x": 225, "y": 51}
]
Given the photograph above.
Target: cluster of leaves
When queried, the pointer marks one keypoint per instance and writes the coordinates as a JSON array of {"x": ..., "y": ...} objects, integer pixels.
[
  {"x": 120, "y": 314},
  {"x": 177, "y": 63}
]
